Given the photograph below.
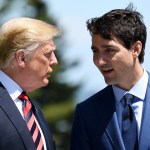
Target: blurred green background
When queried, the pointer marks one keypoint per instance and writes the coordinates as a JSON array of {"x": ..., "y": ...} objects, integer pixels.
[{"x": 57, "y": 99}]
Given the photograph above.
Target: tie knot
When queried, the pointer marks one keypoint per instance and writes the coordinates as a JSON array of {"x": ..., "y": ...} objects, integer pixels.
[
  {"x": 23, "y": 96},
  {"x": 127, "y": 98}
]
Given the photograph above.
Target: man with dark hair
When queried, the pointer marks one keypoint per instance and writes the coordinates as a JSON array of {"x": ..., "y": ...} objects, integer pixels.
[{"x": 117, "y": 117}]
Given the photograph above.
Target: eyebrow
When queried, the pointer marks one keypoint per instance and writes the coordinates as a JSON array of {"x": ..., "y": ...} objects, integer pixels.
[{"x": 103, "y": 46}]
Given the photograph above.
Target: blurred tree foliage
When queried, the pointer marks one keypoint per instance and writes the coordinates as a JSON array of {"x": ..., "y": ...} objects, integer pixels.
[{"x": 56, "y": 100}]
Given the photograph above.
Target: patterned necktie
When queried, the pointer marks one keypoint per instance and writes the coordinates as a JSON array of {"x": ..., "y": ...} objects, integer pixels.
[
  {"x": 30, "y": 121},
  {"x": 129, "y": 124}
]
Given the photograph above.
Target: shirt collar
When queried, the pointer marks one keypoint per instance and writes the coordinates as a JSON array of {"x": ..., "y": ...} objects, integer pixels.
[
  {"x": 11, "y": 86},
  {"x": 138, "y": 90}
]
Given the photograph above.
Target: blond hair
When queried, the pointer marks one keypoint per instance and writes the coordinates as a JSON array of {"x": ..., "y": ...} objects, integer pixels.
[{"x": 20, "y": 33}]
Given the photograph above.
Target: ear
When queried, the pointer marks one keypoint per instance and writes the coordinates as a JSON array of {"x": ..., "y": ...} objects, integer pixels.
[
  {"x": 137, "y": 48},
  {"x": 20, "y": 58}
]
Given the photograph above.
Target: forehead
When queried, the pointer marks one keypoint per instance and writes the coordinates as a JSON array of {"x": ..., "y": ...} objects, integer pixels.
[{"x": 97, "y": 41}]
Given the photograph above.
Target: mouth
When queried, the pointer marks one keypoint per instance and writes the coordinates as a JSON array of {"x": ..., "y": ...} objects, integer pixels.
[
  {"x": 48, "y": 75},
  {"x": 106, "y": 71}
]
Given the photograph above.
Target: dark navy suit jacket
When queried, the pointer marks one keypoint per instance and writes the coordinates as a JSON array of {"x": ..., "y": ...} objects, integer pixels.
[
  {"x": 14, "y": 134},
  {"x": 96, "y": 126}
]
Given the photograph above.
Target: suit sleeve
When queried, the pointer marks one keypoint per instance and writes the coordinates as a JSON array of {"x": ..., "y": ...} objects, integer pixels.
[{"x": 79, "y": 138}]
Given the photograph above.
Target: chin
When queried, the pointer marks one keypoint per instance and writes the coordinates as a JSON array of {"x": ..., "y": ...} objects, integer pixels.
[
  {"x": 109, "y": 81},
  {"x": 46, "y": 83}
]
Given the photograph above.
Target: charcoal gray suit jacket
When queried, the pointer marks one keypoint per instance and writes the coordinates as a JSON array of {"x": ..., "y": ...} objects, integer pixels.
[{"x": 14, "y": 134}]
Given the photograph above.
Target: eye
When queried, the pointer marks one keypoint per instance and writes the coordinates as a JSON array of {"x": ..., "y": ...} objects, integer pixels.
[
  {"x": 48, "y": 54},
  {"x": 109, "y": 50},
  {"x": 94, "y": 50}
]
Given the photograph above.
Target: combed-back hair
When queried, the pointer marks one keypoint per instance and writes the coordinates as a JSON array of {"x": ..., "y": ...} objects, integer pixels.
[{"x": 23, "y": 33}]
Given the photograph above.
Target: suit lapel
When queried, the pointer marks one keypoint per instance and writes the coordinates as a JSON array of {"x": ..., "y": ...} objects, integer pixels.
[
  {"x": 113, "y": 130},
  {"x": 114, "y": 134},
  {"x": 48, "y": 137},
  {"x": 15, "y": 117},
  {"x": 144, "y": 140}
]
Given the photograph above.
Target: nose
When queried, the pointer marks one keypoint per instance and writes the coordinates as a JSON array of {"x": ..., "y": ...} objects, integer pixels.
[
  {"x": 99, "y": 60},
  {"x": 53, "y": 60}
]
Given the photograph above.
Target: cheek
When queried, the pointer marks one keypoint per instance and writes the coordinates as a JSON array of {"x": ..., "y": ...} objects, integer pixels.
[
  {"x": 43, "y": 66},
  {"x": 42, "y": 62},
  {"x": 39, "y": 67},
  {"x": 122, "y": 65}
]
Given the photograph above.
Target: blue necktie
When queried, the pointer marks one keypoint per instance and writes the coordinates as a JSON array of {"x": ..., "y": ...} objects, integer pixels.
[{"x": 129, "y": 124}]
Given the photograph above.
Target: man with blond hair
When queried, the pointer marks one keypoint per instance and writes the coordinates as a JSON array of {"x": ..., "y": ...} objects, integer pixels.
[{"x": 26, "y": 61}]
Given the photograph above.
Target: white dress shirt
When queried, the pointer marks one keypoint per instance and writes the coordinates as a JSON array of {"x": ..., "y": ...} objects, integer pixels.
[
  {"x": 138, "y": 90},
  {"x": 14, "y": 90}
]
